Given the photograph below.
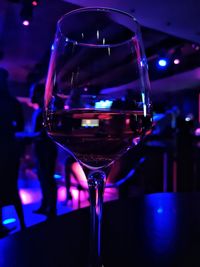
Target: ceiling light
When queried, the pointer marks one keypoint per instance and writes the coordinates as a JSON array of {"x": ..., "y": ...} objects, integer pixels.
[
  {"x": 176, "y": 61},
  {"x": 162, "y": 62}
]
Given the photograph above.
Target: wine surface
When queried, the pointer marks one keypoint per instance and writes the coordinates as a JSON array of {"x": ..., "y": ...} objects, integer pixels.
[{"x": 96, "y": 136}]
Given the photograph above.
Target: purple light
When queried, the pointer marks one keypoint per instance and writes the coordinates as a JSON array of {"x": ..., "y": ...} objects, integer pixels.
[
  {"x": 176, "y": 61},
  {"x": 197, "y": 132},
  {"x": 26, "y": 23},
  {"x": 66, "y": 107},
  {"x": 62, "y": 193}
]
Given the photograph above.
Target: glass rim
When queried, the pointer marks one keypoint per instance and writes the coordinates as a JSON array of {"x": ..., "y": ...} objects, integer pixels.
[{"x": 97, "y": 8}]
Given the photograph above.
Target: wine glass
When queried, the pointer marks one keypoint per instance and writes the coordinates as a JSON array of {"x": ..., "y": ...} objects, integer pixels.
[{"x": 97, "y": 103}]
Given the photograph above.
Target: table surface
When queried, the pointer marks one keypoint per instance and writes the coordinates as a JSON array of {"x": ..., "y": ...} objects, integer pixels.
[{"x": 155, "y": 230}]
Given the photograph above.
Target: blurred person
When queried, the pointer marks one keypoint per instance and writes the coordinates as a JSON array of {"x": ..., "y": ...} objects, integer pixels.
[
  {"x": 74, "y": 173},
  {"x": 68, "y": 172},
  {"x": 46, "y": 155},
  {"x": 11, "y": 122}
]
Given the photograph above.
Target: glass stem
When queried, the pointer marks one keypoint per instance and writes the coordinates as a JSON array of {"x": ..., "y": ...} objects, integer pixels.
[{"x": 96, "y": 183}]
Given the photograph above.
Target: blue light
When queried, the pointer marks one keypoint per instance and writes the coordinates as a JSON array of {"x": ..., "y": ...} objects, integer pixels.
[
  {"x": 52, "y": 47},
  {"x": 8, "y": 221},
  {"x": 162, "y": 62},
  {"x": 159, "y": 210},
  {"x": 57, "y": 176},
  {"x": 104, "y": 104},
  {"x": 163, "y": 221}
]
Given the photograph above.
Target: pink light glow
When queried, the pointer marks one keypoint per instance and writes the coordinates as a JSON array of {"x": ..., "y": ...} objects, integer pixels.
[
  {"x": 33, "y": 105},
  {"x": 127, "y": 122},
  {"x": 176, "y": 61},
  {"x": 25, "y": 197},
  {"x": 136, "y": 140},
  {"x": 26, "y": 23},
  {"x": 29, "y": 196},
  {"x": 197, "y": 132},
  {"x": 79, "y": 174},
  {"x": 66, "y": 107},
  {"x": 74, "y": 193},
  {"x": 61, "y": 193},
  {"x": 34, "y": 3}
]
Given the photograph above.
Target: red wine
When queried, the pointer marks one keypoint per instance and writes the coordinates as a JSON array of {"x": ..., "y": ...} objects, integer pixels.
[{"x": 96, "y": 137}]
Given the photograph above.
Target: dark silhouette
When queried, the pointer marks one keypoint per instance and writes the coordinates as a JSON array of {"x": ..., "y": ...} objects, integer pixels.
[
  {"x": 46, "y": 154},
  {"x": 185, "y": 154},
  {"x": 11, "y": 121}
]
